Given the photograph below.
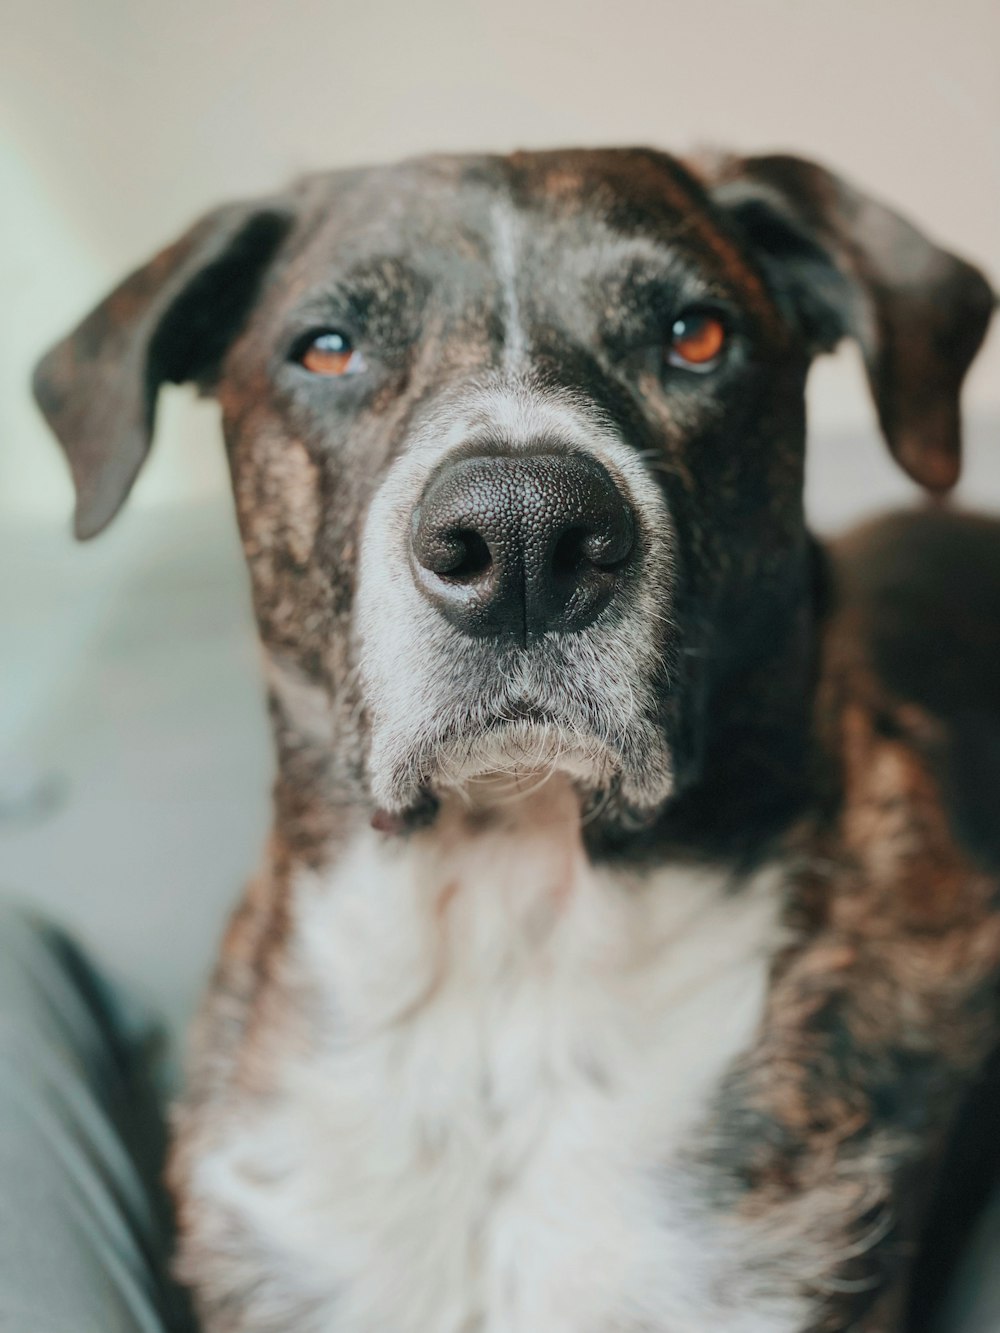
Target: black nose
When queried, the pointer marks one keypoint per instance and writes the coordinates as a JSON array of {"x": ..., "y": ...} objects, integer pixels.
[{"x": 513, "y": 547}]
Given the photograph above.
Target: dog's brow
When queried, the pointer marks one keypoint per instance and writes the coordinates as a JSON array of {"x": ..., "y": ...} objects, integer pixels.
[
  {"x": 376, "y": 279},
  {"x": 636, "y": 260},
  {"x": 382, "y": 291}
]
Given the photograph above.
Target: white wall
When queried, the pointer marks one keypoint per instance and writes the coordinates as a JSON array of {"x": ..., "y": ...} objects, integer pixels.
[{"x": 123, "y": 118}]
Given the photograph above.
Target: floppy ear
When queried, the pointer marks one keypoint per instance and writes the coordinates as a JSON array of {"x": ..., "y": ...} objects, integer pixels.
[
  {"x": 171, "y": 320},
  {"x": 845, "y": 265}
]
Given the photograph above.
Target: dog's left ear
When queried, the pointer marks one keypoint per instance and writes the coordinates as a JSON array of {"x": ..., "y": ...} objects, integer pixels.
[
  {"x": 170, "y": 321},
  {"x": 845, "y": 265}
]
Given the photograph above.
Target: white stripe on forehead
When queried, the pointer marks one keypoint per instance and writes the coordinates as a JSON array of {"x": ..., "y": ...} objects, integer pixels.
[{"x": 506, "y": 243}]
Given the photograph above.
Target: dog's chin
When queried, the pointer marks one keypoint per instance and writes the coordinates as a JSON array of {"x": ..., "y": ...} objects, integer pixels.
[
  {"x": 511, "y": 757},
  {"x": 496, "y": 760}
]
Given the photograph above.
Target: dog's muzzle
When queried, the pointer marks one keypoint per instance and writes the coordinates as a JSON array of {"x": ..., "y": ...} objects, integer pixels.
[
  {"x": 513, "y": 605},
  {"x": 512, "y": 547}
]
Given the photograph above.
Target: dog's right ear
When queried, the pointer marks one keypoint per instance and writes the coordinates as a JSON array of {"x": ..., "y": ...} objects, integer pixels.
[{"x": 170, "y": 321}]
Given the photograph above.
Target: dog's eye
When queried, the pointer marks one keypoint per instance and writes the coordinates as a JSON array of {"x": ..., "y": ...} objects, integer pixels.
[
  {"x": 697, "y": 340},
  {"x": 329, "y": 353}
]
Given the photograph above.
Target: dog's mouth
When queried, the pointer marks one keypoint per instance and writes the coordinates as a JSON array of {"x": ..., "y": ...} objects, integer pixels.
[
  {"x": 514, "y": 743},
  {"x": 501, "y": 759},
  {"x": 521, "y": 746}
]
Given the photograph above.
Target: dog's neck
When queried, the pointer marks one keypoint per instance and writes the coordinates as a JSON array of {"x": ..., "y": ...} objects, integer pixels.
[{"x": 758, "y": 761}]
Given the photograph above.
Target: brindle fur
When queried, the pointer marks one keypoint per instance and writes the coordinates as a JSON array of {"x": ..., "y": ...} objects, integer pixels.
[{"x": 825, "y": 709}]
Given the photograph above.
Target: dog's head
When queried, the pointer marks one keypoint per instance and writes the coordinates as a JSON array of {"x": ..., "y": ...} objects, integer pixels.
[{"x": 517, "y": 443}]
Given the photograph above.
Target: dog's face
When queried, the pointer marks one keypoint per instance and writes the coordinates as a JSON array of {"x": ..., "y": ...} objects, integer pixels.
[
  {"x": 482, "y": 458},
  {"x": 517, "y": 444}
]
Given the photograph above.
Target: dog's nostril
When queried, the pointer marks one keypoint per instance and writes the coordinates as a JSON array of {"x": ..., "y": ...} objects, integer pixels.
[
  {"x": 449, "y": 551},
  {"x": 585, "y": 546},
  {"x": 571, "y": 553},
  {"x": 472, "y": 557}
]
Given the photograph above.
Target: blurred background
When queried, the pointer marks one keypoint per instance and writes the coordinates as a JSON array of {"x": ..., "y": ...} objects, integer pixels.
[{"x": 134, "y": 756}]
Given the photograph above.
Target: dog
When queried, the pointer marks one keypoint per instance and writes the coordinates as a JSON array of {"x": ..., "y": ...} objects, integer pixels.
[{"x": 625, "y": 955}]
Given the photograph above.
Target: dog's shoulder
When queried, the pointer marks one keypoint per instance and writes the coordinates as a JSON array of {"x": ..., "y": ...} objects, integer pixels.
[{"x": 916, "y": 598}]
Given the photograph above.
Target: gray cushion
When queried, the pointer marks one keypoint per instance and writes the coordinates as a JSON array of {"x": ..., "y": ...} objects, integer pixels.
[
  {"x": 83, "y": 1234},
  {"x": 974, "y": 1306}
]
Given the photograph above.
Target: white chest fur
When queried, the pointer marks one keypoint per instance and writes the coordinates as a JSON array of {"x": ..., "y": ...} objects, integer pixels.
[{"x": 511, "y": 1049}]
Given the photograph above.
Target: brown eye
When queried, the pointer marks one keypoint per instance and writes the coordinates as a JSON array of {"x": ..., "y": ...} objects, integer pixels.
[
  {"x": 330, "y": 353},
  {"x": 697, "y": 340}
]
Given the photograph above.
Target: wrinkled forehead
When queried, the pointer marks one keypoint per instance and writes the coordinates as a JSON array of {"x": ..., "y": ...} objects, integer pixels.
[{"x": 562, "y": 234}]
